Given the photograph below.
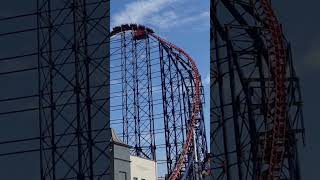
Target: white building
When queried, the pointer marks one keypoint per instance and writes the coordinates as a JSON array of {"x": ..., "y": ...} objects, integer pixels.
[
  {"x": 120, "y": 153},
  {"x": 126, "y": 167},
  {"x": 143, "y": 169}
]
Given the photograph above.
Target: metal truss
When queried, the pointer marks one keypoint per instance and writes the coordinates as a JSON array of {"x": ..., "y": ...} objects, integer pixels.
[
  {"x": 256, "y": 106},
  {"x": 73, "y": 62},
  {"x": 157, "y": 101}
]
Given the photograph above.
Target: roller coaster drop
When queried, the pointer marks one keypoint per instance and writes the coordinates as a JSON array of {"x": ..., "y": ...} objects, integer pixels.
[
  {"x": 139, "y": 54},
  {"x": 256, "y": 112}
]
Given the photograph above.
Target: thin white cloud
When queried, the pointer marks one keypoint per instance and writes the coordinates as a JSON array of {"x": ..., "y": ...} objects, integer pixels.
[
  {"x": 160, "y": 14},
  {"x": 170, "y": 19},
  {"x": 138, "y": 11},
  {"x": 206, "y": 81}
]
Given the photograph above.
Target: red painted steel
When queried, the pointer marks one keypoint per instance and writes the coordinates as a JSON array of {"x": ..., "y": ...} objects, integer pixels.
[
  {"x": 196, "y": 104},
  {"x": 277, "y": 58},
  {"x": 140, "y": 32}
]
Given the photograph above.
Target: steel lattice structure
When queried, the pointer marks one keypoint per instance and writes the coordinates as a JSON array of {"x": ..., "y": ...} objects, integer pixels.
[
  {"x": 256, "y": 113},
  {"x": 73, "y": 61},
  {"x": 156, "y": 101},
  {"x": 69, "y": 89},
  {"x": 55, "y": 65}
]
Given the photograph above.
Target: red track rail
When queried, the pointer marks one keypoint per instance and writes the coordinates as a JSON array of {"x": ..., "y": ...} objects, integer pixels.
[
  {"x": 277, "y": 57},
  {"x": 196, "y": 109},
  {"x": 139, "y": 31}
]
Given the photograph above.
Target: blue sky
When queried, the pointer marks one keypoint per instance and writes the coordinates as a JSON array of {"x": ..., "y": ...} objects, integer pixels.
[{"x": 182, "y": 22}]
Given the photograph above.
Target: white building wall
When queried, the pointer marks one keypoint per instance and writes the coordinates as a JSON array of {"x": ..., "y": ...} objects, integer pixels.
[
  {"x": 121, "y": 162},
  {"x": 143, "y": 169}
]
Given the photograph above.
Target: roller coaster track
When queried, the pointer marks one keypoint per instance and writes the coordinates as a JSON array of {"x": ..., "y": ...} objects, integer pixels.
[
  {"x": 196, "y": 109},
  {"x": 277, "y": 58},
  {"x": 182, "y": 165},
  {"x": 256, "y": 107}
]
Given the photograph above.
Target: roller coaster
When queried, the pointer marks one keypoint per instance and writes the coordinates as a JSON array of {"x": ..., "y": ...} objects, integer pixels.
[
  {"x": 256, "y": 113},
  {"x": 160, "y": 87},
  {"x": 149, "y": 90}
]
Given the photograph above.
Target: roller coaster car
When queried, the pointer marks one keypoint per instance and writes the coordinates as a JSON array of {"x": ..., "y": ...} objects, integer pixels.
[
  {"x": 140, "y": 34},
  {"x": 139, "y": 30}
]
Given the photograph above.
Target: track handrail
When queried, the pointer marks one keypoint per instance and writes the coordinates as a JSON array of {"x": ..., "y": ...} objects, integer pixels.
[
  {"x": 197, "y": 92},
  {"x": 277, "y": 56},
  {"x": 196, "y": 104}
]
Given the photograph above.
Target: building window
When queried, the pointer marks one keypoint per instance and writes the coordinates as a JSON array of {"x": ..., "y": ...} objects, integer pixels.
[{"x": 123, "y": 175}]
